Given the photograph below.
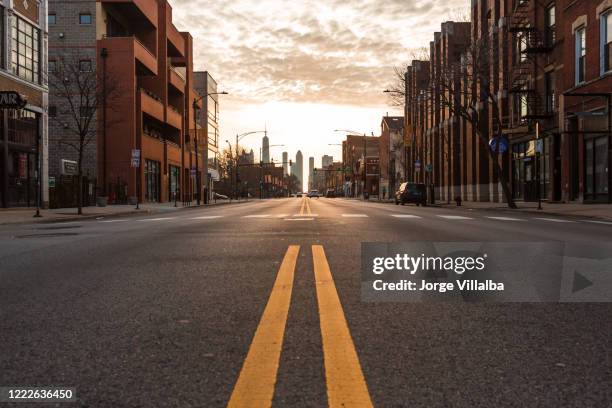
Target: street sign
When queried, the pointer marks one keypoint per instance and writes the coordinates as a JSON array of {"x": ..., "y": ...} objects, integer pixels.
[
  {"x": 503, "y": 145},
  {"x": 136, "y": 154},
  {"x": 193, "y": 172},
  {"x": 417, "y": 164},
  {"x": 69, "y": 167},
  {"x": 51, "y": 182},
  {"x": 429, "y": 168},
  {"x": 11, "y": 100},
  {"x": 135, "y": 162}
]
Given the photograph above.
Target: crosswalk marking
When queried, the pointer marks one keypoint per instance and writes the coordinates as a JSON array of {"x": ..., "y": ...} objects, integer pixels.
[
  {"x": 256, "y": 216},
  {"x": 121, "y": 220},
  {"x": 305, "y": 215},
  {"x": 552, "y": 219},
  {"x": 207, "y": 217},
  {"x": 355, "y": 215},
  {"x": 505, "y": 219},
  {"x": 405, "y": 216},
  {"x": 281, "y": 215},
  {"x": 346, "y": 386},
  {"x": 455, "y": 217},
  {"x": 300, "y": 219},
  {"x": 158, "y": 219},
  {"x": 255, "y": 385}
]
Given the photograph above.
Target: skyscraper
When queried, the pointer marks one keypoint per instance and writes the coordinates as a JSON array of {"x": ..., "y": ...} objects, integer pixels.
[
  {"x": 327, "y": 161},
  {"x": 265, "y": 149},
  {"x": 310, "y": 173},
  {"x": 285, "y": 163},
  {"x": 299, "y": 168}
]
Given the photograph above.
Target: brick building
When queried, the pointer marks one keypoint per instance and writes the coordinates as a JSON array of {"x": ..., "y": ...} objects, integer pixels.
[
  {"x": 353, "y": 148},
  {"x": 23, "y": 130},
  {"x": 392, "y": 154},
  {"x": 135, "y": 47},
  {"x": 549, "y": 73}
]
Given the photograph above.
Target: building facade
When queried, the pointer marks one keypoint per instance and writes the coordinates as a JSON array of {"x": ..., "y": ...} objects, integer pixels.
[
  {"x": 24, "y": 136},
  {"x": 392, "y": 154},
  {"x": 149, "y": 144},
  {"x": 208, "y": 119}
]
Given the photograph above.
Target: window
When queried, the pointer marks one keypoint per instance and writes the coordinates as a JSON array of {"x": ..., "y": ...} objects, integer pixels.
[
  {"x": 51, "y": 19},
  {"x": 84, "y": 18},
  {"x": 86, "y": 111},
  {"x": 606, "y": 41},
  {"x": 25, "y": 50},
  {"x": 580, "y": 54},
  {"x": 550, "y": 25},
  {"x": 85, "y": 65},
  {"x": 549, "y": 83},
  {"x": 152, "y": 180},
  {"x": 52, "y": 66},
  {"x": 52, "y": 111},
  {"x": 2, "y": 37}
]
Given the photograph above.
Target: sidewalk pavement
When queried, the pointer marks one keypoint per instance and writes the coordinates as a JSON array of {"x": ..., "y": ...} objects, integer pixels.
[
  {"x": 601, "y": 211},
  {"x": 25, "y": 215}
]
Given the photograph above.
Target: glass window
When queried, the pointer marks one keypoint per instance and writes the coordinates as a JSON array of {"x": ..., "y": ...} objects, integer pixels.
[
  {"x": 580, "y": 36},
  {"x": 85, "y": 65},
  {"x": 25, "y": 51},
  {"x": 52, "y": 111},
  {"x": 601, "y": 165},
  {"x": 550, "y": 25},
  {"x": 51, "y": 19},
  {"x": 549, "y": 83},
  {"x": 84, "y": 18},
  {"x": 52, "y": 66},
  {"x": 606, "y": 41}
]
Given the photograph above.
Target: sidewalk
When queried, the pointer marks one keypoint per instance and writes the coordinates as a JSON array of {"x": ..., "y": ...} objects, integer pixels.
[
  {"x": 26, "y": 215},
  {"x": 602, "y": 211}
]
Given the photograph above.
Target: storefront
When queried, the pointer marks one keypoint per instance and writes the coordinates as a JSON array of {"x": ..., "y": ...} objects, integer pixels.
[
  {"x": 152, "y": 181},
  {"x": 530, "y": 164},
  {"x": 596, "y": 168},
  {"x": 19, "y": 157}
]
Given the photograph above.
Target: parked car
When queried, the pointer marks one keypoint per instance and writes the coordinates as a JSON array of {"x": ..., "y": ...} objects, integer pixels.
[
  {"x": 313, "y": 193},
  {"x": 298, "y": 195},
  {"x": 411, "y": 193},
  {"x": 330, "y": 193}
]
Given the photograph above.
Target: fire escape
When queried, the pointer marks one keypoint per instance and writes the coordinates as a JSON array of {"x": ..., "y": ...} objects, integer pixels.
[{"x": 529, "y": 44}]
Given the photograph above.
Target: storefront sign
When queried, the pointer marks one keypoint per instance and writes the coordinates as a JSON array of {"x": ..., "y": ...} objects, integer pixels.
[
  {"x": 51, "y": 182},
  {"x": 11, "y": 100},
  {"x": 135, "y": 162},
  {"x": 69, "y": 167}
]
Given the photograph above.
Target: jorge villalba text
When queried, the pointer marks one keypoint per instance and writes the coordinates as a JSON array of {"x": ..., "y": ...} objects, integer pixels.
[{"x": 423, "y": 263}]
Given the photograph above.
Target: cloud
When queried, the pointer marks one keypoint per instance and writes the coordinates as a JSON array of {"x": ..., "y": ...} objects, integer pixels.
[{"x": 316, "y": 51}]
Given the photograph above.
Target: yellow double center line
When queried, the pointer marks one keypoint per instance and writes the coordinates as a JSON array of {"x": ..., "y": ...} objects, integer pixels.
[
  {"x": 305, "y": 206},
  {"x": 346, "y": 386}
]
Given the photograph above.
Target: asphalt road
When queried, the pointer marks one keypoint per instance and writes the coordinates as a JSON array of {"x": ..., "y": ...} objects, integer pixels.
[{"x": 162, "y": 310}]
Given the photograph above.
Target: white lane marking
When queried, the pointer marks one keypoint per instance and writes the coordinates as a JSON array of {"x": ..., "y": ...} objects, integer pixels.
[
  {"x": 305, "y": 215},
  {"x": 355, "y": 215},
  {"x": 552, "y": 219},
  {"x": 505, "y": 219},
  {"x": 598, "y": 222},
  {"x": 299, "y": 219},
  {"x": 455, "y": 217},
  {"x": 256, "y": 216},
  {"x": 115, "y": 220},
  {"x": 405, "y": 216},
  {"x": 207, "y": 217},
  {"x": 158, "y": 219},
  {"x": 281, "y": 215}
]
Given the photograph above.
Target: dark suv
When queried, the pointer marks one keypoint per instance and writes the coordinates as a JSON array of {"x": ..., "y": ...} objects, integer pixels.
[{"x": 411, "y": 193}]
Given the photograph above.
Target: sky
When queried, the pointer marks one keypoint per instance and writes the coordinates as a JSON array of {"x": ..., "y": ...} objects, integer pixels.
[{"x": 304, "y": 68}]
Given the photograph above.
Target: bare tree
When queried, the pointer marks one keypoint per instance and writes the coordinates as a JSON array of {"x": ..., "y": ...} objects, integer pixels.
[
  {"x": 466, "y": 89},
  {"x": 75, "y": 85},
  {"x": 396, "y": 92}
]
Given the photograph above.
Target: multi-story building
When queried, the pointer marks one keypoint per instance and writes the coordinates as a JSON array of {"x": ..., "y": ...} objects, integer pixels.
[
  {"x": 311, "y": 181},
  {"x": 298, "y": 168},
  {"x": 392, "y": 154},
  {"x": 146, "y": 143},
  {"x": 326, "y": 160},
  {"x": 208, "y": 119},
  {"x": 544, "y": 90},
  {"x": 23, "y": 125},
  {"x": 353, "y": 148},
  {"x": 265, "y": 149},
  {"x": 286, "y": 163}
]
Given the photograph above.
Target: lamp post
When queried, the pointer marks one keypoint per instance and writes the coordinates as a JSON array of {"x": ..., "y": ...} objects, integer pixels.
[
  {"x": 195, "y": 129},
  {"x": 261, "y": 163},
  {"x": 365, "y": 149}
]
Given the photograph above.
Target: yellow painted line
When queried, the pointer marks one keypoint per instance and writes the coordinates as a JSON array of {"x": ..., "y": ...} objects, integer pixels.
[
  {"x": 308, "y": 206},
  {"x": 255, "y": 385},
  {"x": 302, "y": 207},
  {"x": 346, "y": 386}
]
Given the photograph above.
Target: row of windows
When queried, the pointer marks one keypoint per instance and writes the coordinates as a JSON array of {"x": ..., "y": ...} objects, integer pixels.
[
  {"x": 84, "y": 18},
  {"x": 605, "y": 49},
  {"x": 25, "y": 52},
  {"x": 84, "y": 65}
]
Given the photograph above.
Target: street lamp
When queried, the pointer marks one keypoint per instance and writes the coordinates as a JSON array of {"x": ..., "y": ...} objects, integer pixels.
[
  {"x": 239, "y": 137},
  {"x": 195, "y": 129}
]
